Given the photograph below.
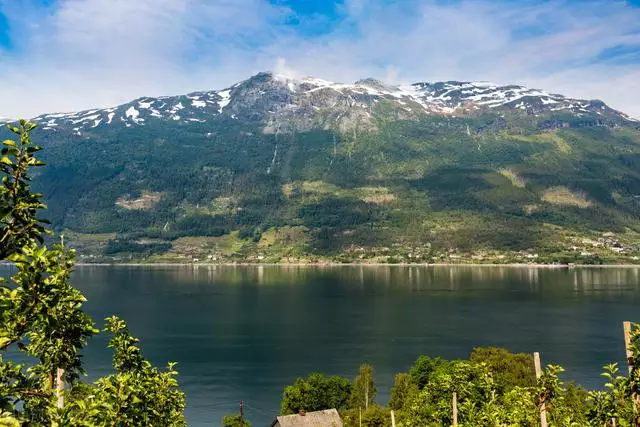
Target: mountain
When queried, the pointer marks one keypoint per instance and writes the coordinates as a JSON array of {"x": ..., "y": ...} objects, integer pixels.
[
  {"x": 299, "y": 170},
  {"x": 302, "y": 105}
]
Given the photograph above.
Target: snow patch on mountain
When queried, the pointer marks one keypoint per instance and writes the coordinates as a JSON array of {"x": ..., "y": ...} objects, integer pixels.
[
  {"x": 133, "y": 114},
  {"x": 225, "y": 99},
  {"x": 278, "y": 99}
]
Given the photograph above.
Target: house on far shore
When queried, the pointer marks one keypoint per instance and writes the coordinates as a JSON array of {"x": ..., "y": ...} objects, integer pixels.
[{"x": 326, "y": 418}]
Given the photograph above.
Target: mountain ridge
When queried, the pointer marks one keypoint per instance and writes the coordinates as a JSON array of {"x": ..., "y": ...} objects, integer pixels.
[{"x": 439, "y": 98}]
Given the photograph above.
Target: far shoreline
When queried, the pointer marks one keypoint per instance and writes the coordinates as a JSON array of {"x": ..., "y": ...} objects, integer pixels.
[{"x": 337, "y": 264}]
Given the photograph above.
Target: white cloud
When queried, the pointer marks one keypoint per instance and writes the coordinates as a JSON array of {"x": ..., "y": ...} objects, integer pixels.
[
  {"x": 281, "y": 68},
  {"x": 391, "y": 75},
  {"x": 87, "y": 53}
]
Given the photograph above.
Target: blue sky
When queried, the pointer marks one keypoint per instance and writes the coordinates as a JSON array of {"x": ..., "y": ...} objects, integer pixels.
[{"x": 64, "y": 55}]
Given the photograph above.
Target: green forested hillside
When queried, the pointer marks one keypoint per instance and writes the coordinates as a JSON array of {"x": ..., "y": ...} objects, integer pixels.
[{"x": 493, "y": 186}]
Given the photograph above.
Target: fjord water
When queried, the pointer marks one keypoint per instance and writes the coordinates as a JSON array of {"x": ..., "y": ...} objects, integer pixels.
[{"x": 243, "y": 333}]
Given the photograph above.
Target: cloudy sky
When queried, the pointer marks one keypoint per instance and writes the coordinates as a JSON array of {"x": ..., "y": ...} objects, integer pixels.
[{"x": 66, "y": 55}]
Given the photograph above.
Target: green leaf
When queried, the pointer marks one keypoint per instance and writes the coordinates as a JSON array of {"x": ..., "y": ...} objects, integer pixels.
[
  {"x": 6, "y": 161},
  {"x": 9, "y": 143},
  {"x": 6, "y": 420}
]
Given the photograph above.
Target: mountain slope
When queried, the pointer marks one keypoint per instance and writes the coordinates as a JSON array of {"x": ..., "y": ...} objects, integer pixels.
[{"x": 278, "y": 169}]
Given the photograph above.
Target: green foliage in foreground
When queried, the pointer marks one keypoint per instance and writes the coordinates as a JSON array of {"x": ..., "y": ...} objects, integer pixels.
[
  {"x": 234, "y": 421},
  {"x": 494, "y": 388},
  {"x": 316, "y": 392},
  {"x": 509, "y": 370},
  {"x": 364, "y": 390},
  {"x": 41, "y": 316},
  {"x": 373, "y": 416}
]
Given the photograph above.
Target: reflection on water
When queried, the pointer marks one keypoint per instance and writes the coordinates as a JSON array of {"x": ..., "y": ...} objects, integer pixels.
[
  {"x": 417, "y": 278},
  {"x": 244, "y": 332}
]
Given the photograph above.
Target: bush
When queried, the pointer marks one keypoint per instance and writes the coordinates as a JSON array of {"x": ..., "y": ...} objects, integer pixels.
[
  {"x": 315, "y": 393},
  {"x": 509, "y": 369},
  {"x": 403, "y": 390},
  {"x": 424, "y": 367},
  {"x": 376, "y": 416},
  {"x": 234, "y": 421}
]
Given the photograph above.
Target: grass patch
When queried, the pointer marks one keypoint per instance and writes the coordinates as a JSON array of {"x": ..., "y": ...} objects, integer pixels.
[
  {"x": 313, "y": 189},
  {"x": 230, "y": 244},
  {"x": 146, "y": 201},
  {"x": 634, "y": 134},
  {"x": 268, "y": 238},
  {"x": 516, "y": 181},
  {"x": 545, "y": 137},
  {"x": 563, "y": 196},
  {"x": 376, "y": 195},
  {"x": 89, "y": 237},
  {"x": 309, "y": 188}
]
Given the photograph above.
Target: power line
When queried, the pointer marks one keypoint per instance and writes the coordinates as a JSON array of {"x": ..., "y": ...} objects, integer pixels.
[
  {"x": 258, "y": 409},
  {"x": 220, "y": 404}
]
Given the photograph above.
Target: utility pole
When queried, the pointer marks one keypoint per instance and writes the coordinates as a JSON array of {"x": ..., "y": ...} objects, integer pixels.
[
  {"x": 455, "y": 409},
  {"x": 242, "y": 413},
  {"x": 630, "y": 360},
  {"x": 366, "y": 393},
  {"x": 60, "y": 387},
  {"x": 627, "y": 343},
  {"x": 543, "y": 410}
]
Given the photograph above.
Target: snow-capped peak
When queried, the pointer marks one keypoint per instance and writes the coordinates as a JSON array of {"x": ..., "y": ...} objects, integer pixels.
[{"x": 266, "y": 96}]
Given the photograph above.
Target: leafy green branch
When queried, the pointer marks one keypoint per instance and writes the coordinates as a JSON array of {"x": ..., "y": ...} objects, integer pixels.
[{"x": 42, "y": 316}]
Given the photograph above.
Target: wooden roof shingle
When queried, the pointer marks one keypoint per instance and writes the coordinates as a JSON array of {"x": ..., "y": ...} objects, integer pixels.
[{"x": 326, "y": 418}]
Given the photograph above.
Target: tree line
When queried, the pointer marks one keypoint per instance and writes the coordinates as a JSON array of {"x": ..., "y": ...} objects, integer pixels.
[{"x": 493, "y": 387}]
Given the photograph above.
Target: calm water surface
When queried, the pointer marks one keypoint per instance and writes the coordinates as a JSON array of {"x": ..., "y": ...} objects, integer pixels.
[{"x": 246, "y": 332}]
